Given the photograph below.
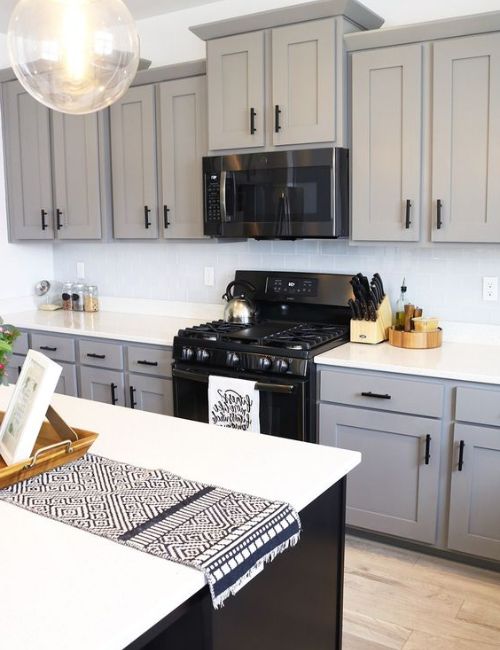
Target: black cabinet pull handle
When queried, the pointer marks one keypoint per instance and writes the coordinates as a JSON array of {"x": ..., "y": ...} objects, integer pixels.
[
  {"x": 133, "y": 403},
  {"x": 59, "y": 224},
  {"x": 114, "y": 398},
  {"x": 408, "y": 214},
  {"x": 148, "y": 363},
  {"x": 92, "y": 355},
  {"x": 427, "y": 449},
  {"x": 376, "y": 395},
  {"x": 44, "y": 222},
  {"x": 277, "y": 115},
  {"x": 461, "y": 455},
  {"x": 46, "y": 348},
  {"x": 253, "y": 128},
  {"x": 19, "y": 368},
  {"x": 439, "y": 206},
  {"x": 147, "y": 222},
  {"x": 166, "y": 210}
]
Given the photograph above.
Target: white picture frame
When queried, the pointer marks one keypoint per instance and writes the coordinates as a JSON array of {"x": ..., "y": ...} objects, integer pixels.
[{"x": 27, "y": 407}]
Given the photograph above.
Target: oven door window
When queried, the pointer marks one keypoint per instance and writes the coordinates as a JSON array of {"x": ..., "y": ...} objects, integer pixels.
[{"x": 281, "y": 413}]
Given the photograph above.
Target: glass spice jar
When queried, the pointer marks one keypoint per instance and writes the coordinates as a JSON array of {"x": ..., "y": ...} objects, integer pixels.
[
  {"x": 66, "y": 295},
  {"x": 91, "y": 298},
  {"x": 78, "y": 297}
]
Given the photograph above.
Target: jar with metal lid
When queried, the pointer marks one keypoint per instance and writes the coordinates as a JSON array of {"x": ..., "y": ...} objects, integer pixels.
[
  {"x": 91, "y": 298},
  {"x": 66, "y": 296},
  {"x": 78, "y": 297}
]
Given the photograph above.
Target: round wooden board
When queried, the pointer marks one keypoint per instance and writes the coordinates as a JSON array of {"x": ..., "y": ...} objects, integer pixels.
[{"x": 416, "y": 340}]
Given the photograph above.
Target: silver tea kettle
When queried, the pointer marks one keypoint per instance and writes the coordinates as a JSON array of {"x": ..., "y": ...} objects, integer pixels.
[{"x": 239, "y": 308}]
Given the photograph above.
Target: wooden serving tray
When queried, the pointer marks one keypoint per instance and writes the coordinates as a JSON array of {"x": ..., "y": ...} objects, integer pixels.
[
  {"x": 416, "y": 340},
  {"x": 57, "y": 444}
]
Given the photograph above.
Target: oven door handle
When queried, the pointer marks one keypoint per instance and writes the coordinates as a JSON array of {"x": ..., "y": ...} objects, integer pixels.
[{"x": 264, "y": 387}]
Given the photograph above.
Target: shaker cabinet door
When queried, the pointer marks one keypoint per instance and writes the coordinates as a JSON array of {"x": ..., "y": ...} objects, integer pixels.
[
  {"x": 466, "y": 140},
  {"x": 235, "y": 71},
  {"x": 150, "y": 394},
  {"x": 183, "y": 137},
  {"x": 99, "y": 385},
  {"x": 26, "y": 130},
  {"x": 474, "y": 525},
  {"x": 77, "y": 201},
  {"x": 387, "y": 144},
  {"x": 134, "y": 164},
  {"x": 304, "y": 79},
  {"x": 395, "y": 489},
  {"x": 67, "y": 381}
]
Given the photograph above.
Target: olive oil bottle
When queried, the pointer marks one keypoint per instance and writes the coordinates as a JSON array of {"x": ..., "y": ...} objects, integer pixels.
[{"x": 400, "y": 307}]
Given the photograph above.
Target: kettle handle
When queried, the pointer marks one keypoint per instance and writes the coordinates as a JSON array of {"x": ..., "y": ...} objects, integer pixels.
[{"x": 241, "y": 283}]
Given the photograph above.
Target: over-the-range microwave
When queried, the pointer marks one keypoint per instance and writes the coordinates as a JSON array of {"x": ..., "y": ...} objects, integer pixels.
[{"x": 302, "y": 194}]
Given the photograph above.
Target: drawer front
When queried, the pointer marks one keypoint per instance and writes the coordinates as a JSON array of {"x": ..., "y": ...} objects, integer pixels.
[
  {"x": 21, "y": 344},
  {"x": 55, "y": 347},
  {"x": 150, "y": 361},
  {"x": 101, "y": 354},
  {"x": 383, "y": 393},
  {"x": 478, "y": 406}
]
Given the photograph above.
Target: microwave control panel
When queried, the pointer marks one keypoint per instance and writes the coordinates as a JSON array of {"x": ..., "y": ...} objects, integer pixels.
[{"x": 212, "y": 208}]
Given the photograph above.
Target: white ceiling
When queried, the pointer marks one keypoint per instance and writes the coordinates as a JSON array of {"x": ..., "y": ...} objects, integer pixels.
[{"x": 139, "y": 8}]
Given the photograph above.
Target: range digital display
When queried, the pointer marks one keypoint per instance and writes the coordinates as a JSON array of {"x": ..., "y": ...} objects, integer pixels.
[{"x": 288, "y": 287}]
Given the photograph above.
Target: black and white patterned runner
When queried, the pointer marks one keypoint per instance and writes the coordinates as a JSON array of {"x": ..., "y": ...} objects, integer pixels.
[{"x": 227, "y": 535}]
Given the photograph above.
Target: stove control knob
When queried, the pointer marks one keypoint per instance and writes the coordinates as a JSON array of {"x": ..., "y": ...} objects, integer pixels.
[
  {"x": 265, "y": 363},
  {"x": 202, "y": 356},
  {"x": 187, "y": 354},
  {"x": 281, "y": 365},
  {"x": 232, "y": 359}
]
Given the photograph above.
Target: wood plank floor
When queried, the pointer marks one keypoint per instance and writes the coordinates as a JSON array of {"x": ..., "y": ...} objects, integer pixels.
[{"x": 403, "y": 600}]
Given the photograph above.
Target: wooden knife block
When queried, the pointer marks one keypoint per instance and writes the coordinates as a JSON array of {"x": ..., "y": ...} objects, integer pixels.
[{"x": 373, "y": 332}]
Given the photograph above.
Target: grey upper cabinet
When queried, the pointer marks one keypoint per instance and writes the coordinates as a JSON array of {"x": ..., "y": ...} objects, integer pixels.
[
  {"x": 183, "y": 143},
  {"x": 134, "y": 165},
  {"x": 387, "y": 144},
  {"x": 303, "y": 74},
  {"x": 26, "y": 129},
  {"x": 466, "y": 139},
  {"x": 150, "y": 394},
  {"x": 235, "y": 69},
  {"x": 474, "y": 524},
  {"x": 395, "y": 489},
  {"x": 77, "y": 194}
]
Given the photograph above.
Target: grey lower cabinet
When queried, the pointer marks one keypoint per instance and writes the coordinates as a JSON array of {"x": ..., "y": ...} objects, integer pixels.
[
  {"x": 100, "y": 385},
  {"x": 183, "y": 143},
  {"x": 466, "y": 139},
  {"x": 67, "y": 384},
  {"x": 235, "y": 70},
  {"x": 27, "y": 163},
  {"x": 14, "y": 365},
  {"x": 134, "y": 164},
  {"x": 150, "y": 394},
  {"x": 474, "y": 523},
  {"x": 387, "y": 132},
  {"x": 395, "y": 489}
]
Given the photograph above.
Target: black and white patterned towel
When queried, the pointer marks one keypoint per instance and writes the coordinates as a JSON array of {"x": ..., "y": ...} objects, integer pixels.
[{"x": 227, "y": 535}]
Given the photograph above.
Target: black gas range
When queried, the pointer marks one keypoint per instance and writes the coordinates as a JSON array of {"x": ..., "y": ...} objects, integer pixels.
[{"x": 298, "y": 316}]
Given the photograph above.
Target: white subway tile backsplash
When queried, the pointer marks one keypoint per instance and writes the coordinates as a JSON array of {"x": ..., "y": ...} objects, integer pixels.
[{"x": 444, "y": 280}]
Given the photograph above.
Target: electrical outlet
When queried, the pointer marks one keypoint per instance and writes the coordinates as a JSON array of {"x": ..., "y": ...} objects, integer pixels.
[
  {"x": 80, "y": 270},
  {"x": 209, "y": 276},
  {"x": 490, "y": 289}
]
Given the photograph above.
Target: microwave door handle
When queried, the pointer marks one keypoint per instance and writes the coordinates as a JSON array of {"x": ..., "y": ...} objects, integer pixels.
[{"x": 223, "y": 204}]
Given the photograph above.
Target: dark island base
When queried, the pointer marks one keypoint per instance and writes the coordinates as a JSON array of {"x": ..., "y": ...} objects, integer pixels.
[{"x": 294, "y": 604}]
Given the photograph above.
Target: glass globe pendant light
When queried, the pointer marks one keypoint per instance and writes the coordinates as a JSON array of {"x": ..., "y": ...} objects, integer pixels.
[{"x": 74, "y": 56}]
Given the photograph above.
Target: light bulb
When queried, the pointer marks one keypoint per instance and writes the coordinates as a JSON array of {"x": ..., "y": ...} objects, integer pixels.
[{"x": 74, "y": 56}]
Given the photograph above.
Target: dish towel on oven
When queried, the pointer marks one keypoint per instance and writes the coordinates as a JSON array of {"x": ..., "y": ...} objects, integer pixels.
[
  {"x": 229, "y": 536},
  {"x": 233, "y": 403}
]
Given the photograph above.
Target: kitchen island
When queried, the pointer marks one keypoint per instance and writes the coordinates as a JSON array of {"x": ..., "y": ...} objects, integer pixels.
[{"x": 64, "y": 588}]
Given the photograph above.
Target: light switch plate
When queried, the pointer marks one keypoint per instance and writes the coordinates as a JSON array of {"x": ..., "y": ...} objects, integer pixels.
[{"x": 490, "y": 289}]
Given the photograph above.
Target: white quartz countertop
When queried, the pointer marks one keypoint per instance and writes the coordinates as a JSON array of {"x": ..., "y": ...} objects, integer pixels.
[
  {"x": 65, "y": 588},
  {"x": 137, "y": 328},
  {"x": 459, "y": 361}
]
